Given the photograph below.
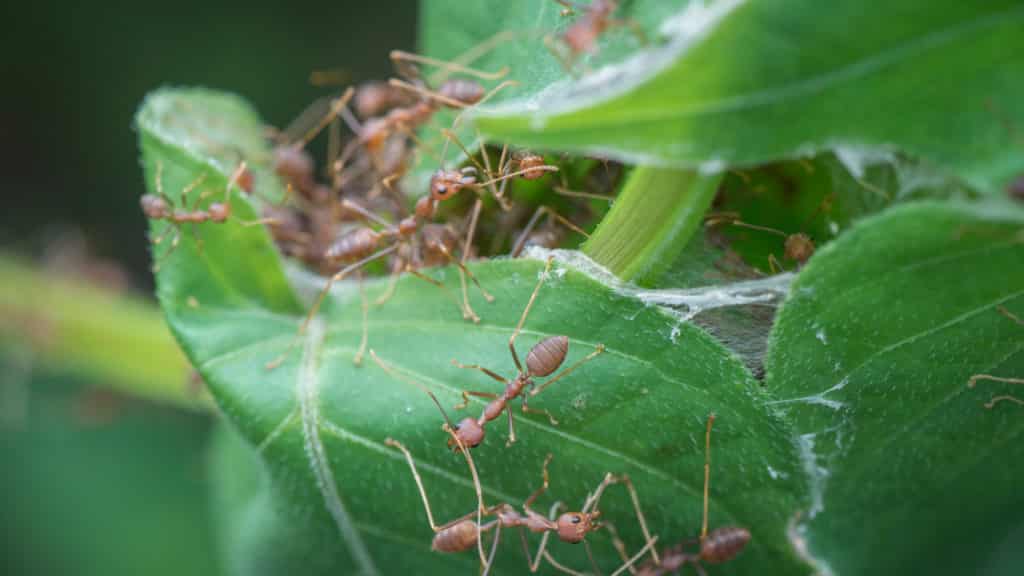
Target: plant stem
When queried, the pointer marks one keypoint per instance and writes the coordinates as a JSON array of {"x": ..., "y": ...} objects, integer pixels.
[
  {"x": 117, "y": 340},
  {"x": 651, "y": 221}
]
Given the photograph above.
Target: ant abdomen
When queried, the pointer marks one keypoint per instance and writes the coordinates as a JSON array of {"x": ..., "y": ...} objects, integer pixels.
[
  {"x": 723, "y": 544},
  {"x": 547, "y": 355},
  {"x": 465, "y": 91},
  {"x": 799, "y": 247},
  {"x": 352, "y": 246},
  {"x": 457, "y": 538}
]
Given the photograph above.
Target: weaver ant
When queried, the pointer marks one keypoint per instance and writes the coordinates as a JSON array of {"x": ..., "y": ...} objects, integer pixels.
[
  {"x": 543, "y": 359},
  {"x": 160, "y": 206},
  {"x": 464, "y": 533},
  {"x": 718, "y": 546},
  {"x": 581, "y": 37},
  {"x": 973, "y": 381},
  {"x": 798, "y": 247}
]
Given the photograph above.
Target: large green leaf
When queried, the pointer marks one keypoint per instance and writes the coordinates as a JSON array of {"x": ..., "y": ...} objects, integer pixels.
[
  {"x": 871, "y": 357},
  {"x": 738, "y": 83},
  {"x": 325, "y": 495}
]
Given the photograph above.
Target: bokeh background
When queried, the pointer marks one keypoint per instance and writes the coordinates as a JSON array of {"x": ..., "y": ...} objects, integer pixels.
[{"x": 93, "y": 482}]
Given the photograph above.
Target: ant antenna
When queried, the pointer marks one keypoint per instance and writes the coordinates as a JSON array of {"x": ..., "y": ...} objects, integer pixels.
[
  {"x": 399, "y": 55},
  {"x": 408, "y": 380}
]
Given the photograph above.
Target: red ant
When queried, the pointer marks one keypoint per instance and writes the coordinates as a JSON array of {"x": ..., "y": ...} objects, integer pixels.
[
  {"x": 797, "y": 247},
  {"x": 974, "y": 379},
  {"x": 543, "y": 359},
  {"x": 464, "y": 533},
  {"x": 718, "y": 546},
  {"x": 160, "y": 206},
  {"x": 581, "y": 37},
  {"x": 362, "y": 245}
]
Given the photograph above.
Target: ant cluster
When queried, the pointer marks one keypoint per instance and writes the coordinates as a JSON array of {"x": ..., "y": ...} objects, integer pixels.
[{"x": 357, "y": 212}]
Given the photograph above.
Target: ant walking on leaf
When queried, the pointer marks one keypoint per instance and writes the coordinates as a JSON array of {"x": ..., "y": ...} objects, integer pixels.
[
  {"x": 160, "y": 206},
  {"x": 465, "y": 532},
  {"x": 717, "y": 546},
  {"x": 543, "y": 359},
  {"x": 988, "y": 377}
]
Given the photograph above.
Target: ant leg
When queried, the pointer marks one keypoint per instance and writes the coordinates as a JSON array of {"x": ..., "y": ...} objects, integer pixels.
[
  {"x": 707, "y": 477},
  {"x": 526, "y": 311},
  {"x": 351, "y": 206},
  {"x": 544, "y": 484},
  {"x": 532, "y": 223},
  {"x": 534, "y": 560},
  {"x": 494, "y": 546},
  {"x": 634, "y": 28},
  {"x": 561, "y": 567},
  {"x": 528, "y": 410},
  {"x": 974, "y": 379},
  {"x": 511, "y": 428},
  {"x": 401, "y": 56},
  {"x": 641, "y": 519},
  {"x": 336, "y": 106},
  {"x": 358, "y": 359},
  {"x": 423, "y": 493},
  {"x": 320, "y": 298},
  {"x": 480, "y": 368},
  {"x": 466, "y": 314},
  {"x": 462, "y": 268},
  {"x": 158, "y": 261},
  {"x": 517, "y": 173},
  {"x": 565, "y": 57},
  {"x": 774, "y": 265},
  {"x": 1006, "y": 312},
  {"x": 598, "y": 350},
  {"x": 997, "y": 399},
  {"x": 619, "y": 545},
  {"x": 390, "y": 290},
  {"x": 467, "y": 393},
  {"x": 466, "y": 245},
  {"x": 640, "y": 554}
]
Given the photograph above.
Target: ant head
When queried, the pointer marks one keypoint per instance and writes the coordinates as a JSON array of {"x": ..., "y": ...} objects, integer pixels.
[
  {"x": 447, "y": 183},
  {"x": 469, "y": 432},
  {"x": 153, "y": 206},
  {"x": 425, "y": 205},
  {"x": 799, "y": 247},
  {"x": 219, "y": 212},
  {"x": 574, "y": 526}
]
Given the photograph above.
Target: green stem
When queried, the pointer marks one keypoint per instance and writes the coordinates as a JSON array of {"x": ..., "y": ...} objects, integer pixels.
[
  {"x": 651, "y": 221},
  {"x": 116, "y": 340}
]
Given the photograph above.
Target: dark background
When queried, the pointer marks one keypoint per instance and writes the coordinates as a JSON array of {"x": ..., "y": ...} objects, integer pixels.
[{"x": 92, "y": 483}]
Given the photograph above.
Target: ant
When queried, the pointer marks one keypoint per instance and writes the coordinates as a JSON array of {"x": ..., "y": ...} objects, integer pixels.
[
  {"x": 716, "y": 547},
  {"x": 581, "y": 37},
  {"x": 464, "y": 533},
  {"x": 160, "y": 206},
  {"x": 543, "y": 359},
  {"x": 798, "y": 247},
  {"x": 362, "y": 245},
  {"x": 974, "y": 379}
]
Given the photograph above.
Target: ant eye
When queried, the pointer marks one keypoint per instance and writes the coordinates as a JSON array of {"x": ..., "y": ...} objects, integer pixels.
[{"x": 576, "y": 519}]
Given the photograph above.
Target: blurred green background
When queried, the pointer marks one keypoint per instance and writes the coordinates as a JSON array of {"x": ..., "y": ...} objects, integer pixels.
[{"x": 93, "y": 482}]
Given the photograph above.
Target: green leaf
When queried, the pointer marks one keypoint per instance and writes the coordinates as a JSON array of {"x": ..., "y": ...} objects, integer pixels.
[
  {"x": 326, "y": 495},
  {"x": 650, "y": 223},
  {"x": 740, "y": 83},
  {"x": 871, "y": 357}
]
